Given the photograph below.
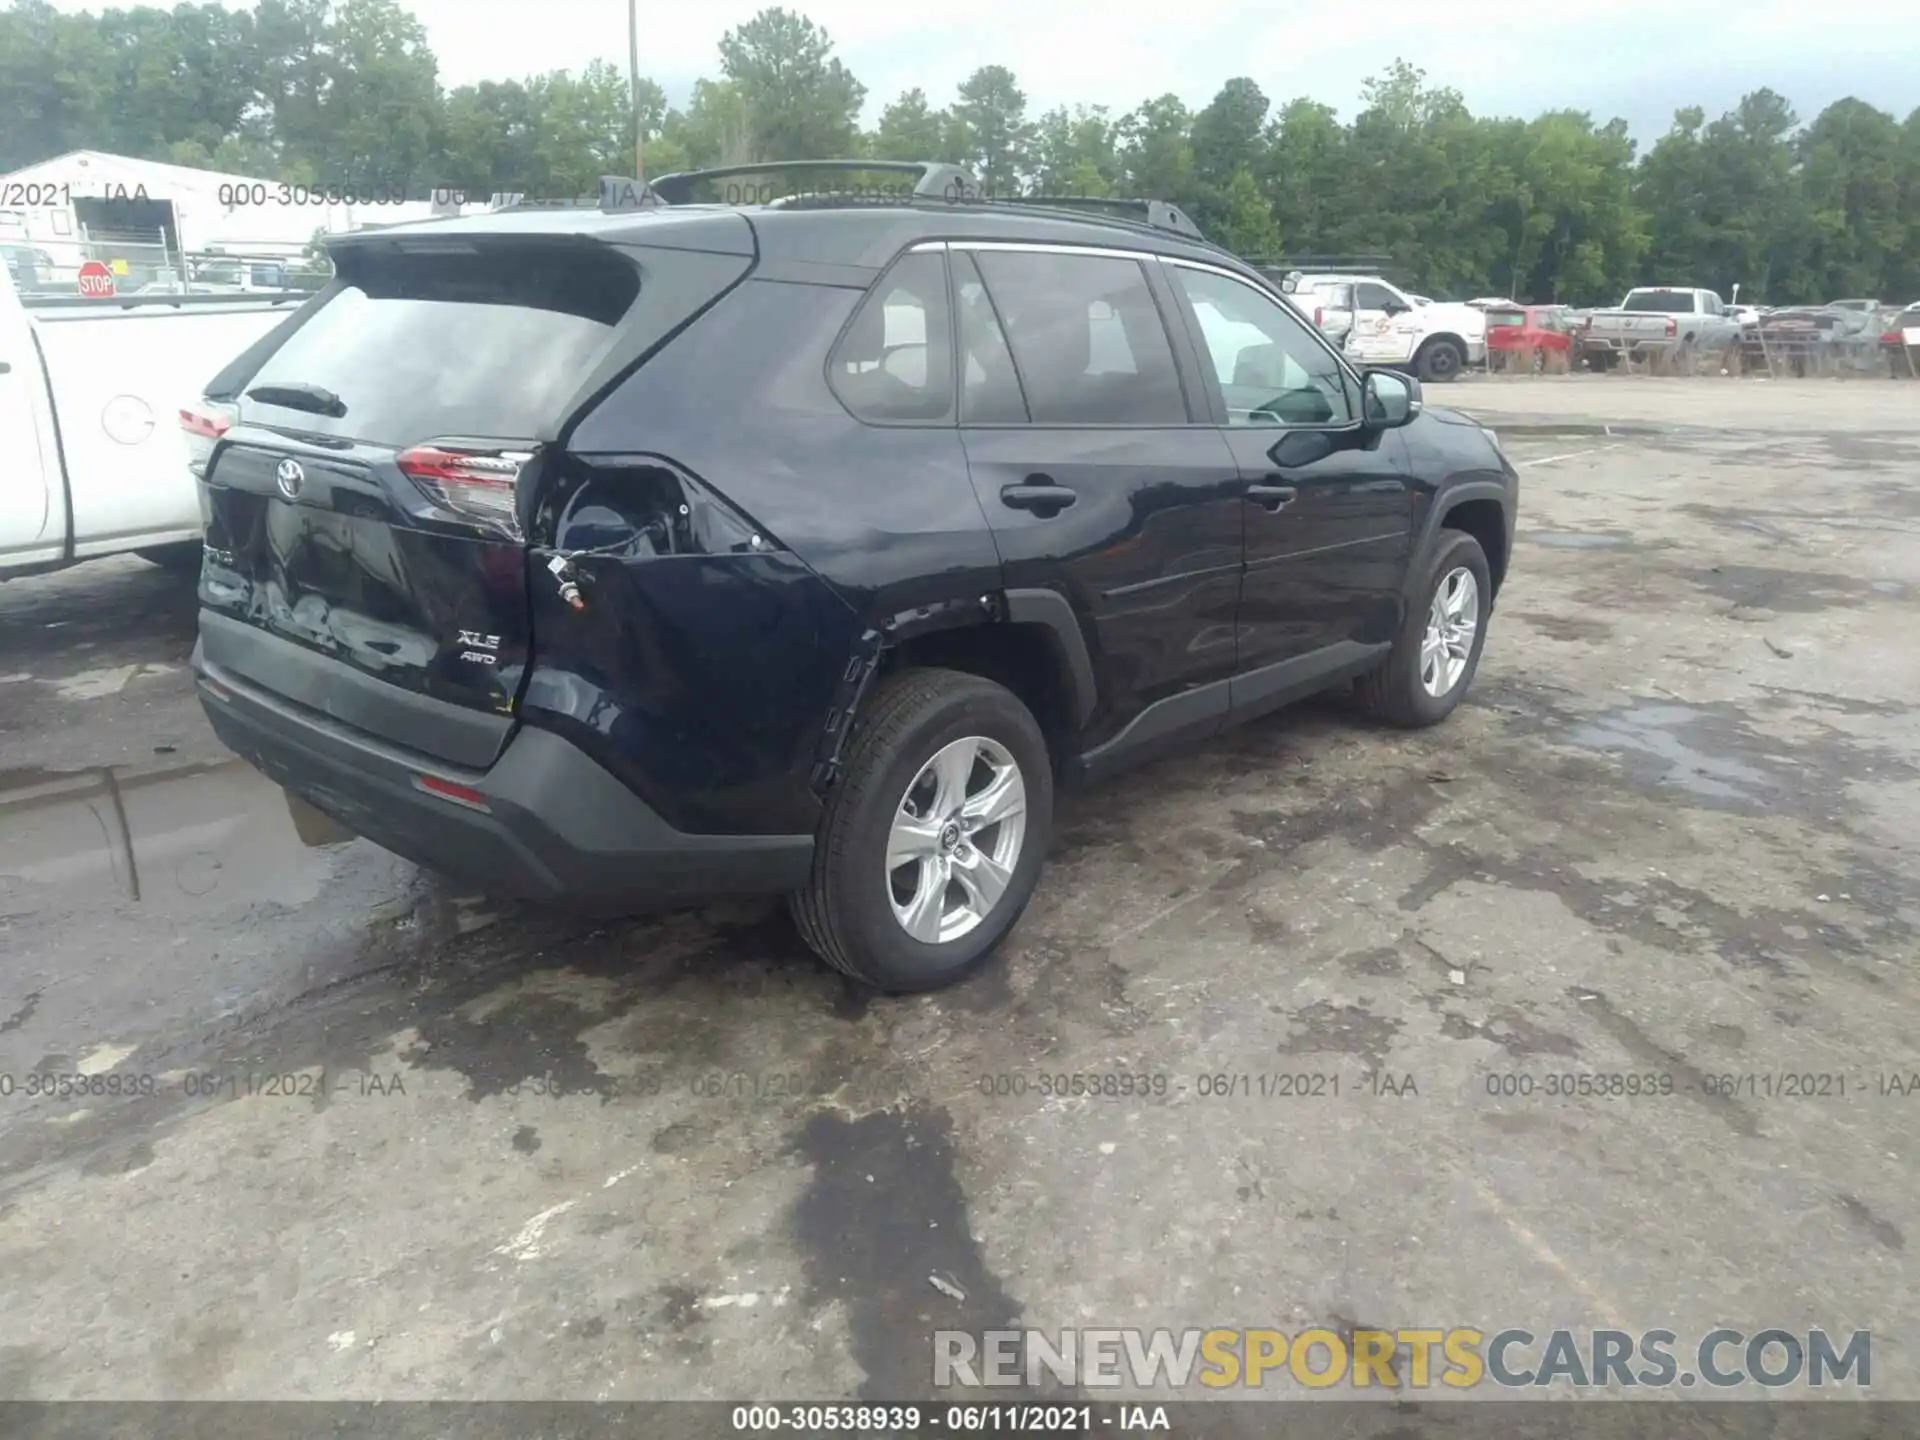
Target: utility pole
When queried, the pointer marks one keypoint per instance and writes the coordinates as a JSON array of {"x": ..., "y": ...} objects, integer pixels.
[{"x": 633, "y": 82}]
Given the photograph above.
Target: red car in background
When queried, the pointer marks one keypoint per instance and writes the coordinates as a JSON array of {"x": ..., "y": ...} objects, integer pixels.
[{"x": 1529, "y": 337}]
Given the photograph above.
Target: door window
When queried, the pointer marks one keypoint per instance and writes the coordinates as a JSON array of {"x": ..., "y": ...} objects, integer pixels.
[
  {"x": 894, "y": 364},
  {"x": 1378, "y": 297},
  {"x": 1270, "y": 368},
  {"x": 1087, "y": 338},
  {"x": 989, "y": 385}
]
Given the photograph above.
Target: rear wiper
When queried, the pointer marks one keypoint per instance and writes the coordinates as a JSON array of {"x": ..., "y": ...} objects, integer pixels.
[{"x": 314, "y": 399}]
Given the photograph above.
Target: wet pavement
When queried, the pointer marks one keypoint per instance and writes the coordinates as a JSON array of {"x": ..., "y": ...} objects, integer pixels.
[{"x": 334, "y": 1129}]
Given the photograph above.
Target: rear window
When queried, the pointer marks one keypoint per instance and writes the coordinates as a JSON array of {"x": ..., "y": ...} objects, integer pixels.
[
  {"x": 1667, "y": 302},
  {"x": 489, "y": 344},
  {"x": 1506, "y": 317}
]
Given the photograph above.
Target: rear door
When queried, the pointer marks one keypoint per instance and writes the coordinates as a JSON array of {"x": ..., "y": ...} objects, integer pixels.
[
  {"x": 364, "y": 505},
  {"x": 1098, "y": 480}
]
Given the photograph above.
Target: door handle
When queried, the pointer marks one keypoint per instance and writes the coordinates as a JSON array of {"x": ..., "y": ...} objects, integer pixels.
[
  {"x": 1275, "y": 497},
  {"x": 1038, "y": 495}
]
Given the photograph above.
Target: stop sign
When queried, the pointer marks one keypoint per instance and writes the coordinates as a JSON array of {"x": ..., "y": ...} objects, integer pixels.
[{"x": 96, "y": 281}]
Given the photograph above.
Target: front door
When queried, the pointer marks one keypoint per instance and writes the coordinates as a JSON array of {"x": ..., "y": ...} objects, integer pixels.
[
  {"x": 1328, "y": 510},
  {"x": 1098, "y": 480}
]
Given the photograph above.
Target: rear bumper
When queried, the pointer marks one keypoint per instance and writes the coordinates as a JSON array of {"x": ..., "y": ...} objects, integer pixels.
[{"x": 551, "y": 825}]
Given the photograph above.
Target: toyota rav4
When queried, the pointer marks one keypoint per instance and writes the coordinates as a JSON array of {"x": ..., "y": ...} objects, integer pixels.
[{"x": 634, "y": 555}]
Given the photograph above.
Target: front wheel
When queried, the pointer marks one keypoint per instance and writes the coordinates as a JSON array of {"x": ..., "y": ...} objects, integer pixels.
[
  {"x": 933, "y": 839},
  {"x": 1437, "y": 649},
  {"x": 1439, "y": 361}
]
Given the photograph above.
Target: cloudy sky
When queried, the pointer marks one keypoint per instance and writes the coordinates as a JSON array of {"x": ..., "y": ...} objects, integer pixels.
[{"x": 1637, "y": 58}]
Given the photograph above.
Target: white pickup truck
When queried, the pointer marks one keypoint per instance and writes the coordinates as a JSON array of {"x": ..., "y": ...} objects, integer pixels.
[
  {"x": 1378, "y": 323},
  {"x": 1657, "y": 321},
  {"x": 95, "y": 436}
]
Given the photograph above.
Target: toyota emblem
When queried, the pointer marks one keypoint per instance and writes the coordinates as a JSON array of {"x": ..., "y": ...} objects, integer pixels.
[{"x": 289, "y": 477}]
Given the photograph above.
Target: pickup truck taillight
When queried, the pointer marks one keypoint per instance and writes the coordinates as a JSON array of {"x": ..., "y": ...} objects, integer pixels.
[
  {"x": 1673, "y": 327},
  {"x": 1319, "y": 318},
  {"x": 477, "y": 484},
  {"x": 204, "y": 426}
]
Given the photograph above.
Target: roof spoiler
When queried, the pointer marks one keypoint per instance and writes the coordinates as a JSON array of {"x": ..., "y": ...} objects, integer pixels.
[{"x": 932, "y": 179}]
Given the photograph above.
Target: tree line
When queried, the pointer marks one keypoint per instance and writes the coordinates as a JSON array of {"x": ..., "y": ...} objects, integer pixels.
[{"x": 1559, "y": 207}]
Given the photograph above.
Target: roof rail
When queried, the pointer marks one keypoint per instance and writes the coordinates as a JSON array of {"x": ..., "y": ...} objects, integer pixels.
[
  {"x": 1339, "y": 264},
  {"x": 932, "y": 179},
  {"x": 1158, "y": 214}
]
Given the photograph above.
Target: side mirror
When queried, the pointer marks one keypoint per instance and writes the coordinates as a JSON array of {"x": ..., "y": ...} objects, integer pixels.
[
  {"x": 1388, "y": 399},
  {"x": 1394, "y": 307}
]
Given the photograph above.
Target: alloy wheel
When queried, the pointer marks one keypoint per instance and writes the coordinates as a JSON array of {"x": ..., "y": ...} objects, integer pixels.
[
  {"x": 1452, "y": 621},
  {"x": 955, "y": 839}
]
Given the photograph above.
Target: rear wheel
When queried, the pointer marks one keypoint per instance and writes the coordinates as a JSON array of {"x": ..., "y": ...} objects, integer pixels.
[
  {"x": 1439, "y": 361},
  {"x": 933, "y": 840},
  {"x": 1437, "y": 649}
]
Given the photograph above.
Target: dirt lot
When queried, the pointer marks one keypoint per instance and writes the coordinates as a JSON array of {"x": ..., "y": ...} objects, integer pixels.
[{"x": 1672, "y": 832}]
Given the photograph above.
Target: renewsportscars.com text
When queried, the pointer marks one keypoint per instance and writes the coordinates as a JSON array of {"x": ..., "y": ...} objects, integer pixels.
[{"x": 1460, "y": 1358}]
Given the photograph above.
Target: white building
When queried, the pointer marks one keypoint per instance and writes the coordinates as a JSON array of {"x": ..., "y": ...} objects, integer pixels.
[{"x": 78, "y": 205}]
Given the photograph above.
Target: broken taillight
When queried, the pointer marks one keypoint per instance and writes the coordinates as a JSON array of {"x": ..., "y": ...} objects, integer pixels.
[
  {"x": 203, "y": 426},
  {"x": 478, "y": 485}
]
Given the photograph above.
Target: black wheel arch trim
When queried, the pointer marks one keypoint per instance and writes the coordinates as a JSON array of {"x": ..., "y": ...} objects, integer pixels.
[
  {"x": 1054, "y": 612},
  {"x": 1454, "y": 493}
]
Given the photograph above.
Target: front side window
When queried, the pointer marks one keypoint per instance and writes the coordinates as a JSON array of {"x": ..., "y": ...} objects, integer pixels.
[
  {"x": 894, "y": 365},
  {"x": 1271, "y": 370},
  {"x": 1087, "y": 338}
]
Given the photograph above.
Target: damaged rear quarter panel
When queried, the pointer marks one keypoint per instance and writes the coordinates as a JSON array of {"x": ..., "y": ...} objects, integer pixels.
[{"x": 707, "y": 681}]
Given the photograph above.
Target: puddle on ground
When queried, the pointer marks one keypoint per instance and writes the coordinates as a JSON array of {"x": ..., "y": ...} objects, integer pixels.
[
  {"x": 1576, "y": 539},
  {"x": 176, "y": 841},
  {"x": 1653, "y": 735}
]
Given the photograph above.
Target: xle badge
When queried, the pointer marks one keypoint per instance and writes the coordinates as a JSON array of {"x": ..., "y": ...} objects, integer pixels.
[{"x": 480, "y": 647}]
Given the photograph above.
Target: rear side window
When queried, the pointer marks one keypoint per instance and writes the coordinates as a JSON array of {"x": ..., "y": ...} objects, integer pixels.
[
  {"x": 419, "y": 346},
  {"x": 894, "y": 364},
  {"x": 1087, "y": 338}
]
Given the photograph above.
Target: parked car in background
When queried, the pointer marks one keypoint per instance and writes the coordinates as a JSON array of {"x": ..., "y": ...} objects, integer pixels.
[
  {"x": 1657, "y": 321},
  {"x": 627, "y": 656},
  {"x": 32, "y": 269},
  {"x": 1813, "y": 339},
  {"x": 1901, "y": 342},
  {"x": 1435, "y": 340},
  {"x": 101, "y": 420},
  {"x": 1390, "y": 326},
  {"x": 1327, "y": 300},
  {"x": 1530, "y": 337}
]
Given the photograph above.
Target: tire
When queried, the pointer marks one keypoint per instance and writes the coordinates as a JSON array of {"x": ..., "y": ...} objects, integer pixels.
[
  {"x": 1439, "y": 361},
  {"x": 1396, "y": 691},
  {"x": 847, "y": 913},
  {"x": 183, "y": 558}
]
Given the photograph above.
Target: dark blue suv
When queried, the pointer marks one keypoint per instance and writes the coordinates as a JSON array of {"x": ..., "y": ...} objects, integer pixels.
[{"x": 642, "y": 554}]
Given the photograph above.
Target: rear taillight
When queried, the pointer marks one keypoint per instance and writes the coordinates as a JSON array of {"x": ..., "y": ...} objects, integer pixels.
[
  {"x": 1892, "y": 337},
  {"x": 203, "y": 426},
  {"x": 1673, "y": 328},
  {"x": 1319, "y": 317},
  {"x": 477, "y": 484}
]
